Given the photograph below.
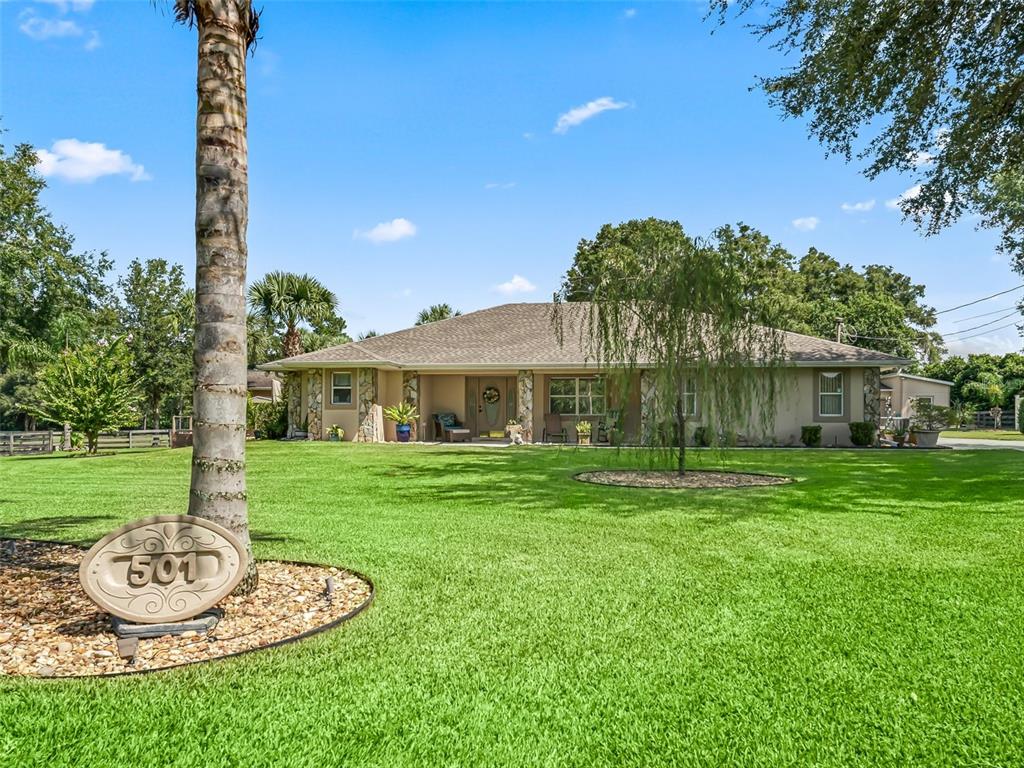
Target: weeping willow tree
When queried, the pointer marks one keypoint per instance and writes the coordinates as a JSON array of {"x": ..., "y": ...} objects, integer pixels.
[{"x": 689, "y": 320}]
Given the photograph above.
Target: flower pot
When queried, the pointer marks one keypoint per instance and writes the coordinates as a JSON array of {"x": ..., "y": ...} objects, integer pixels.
[
  {"x": 333, "y": 438},
  {"x": 402, "y": 432},
  {"x": 927, "y": 438},
  {"x": 583, "y": 439}
]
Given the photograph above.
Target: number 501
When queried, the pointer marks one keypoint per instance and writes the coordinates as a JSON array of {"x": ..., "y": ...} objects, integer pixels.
[{"x": 163, "y": 569}]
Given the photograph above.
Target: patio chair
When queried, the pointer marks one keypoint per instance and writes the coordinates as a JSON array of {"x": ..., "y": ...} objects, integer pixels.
[
  {"x": 448, "y": 429},
  {"x": 553, "y": 429}
]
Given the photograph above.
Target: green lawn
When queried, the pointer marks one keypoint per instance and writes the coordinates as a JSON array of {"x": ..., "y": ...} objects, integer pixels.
[
  {"x": 871, "y": 614},
  {"x": 984, "y": 434}
]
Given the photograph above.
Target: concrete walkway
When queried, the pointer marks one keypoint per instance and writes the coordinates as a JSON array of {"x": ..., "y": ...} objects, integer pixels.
[{"x": 961, "y": 443}]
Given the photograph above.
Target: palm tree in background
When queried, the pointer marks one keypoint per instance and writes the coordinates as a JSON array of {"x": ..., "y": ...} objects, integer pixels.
[
  {"x": 436, "y": 312},
  {"x": 227, "y": 30},
  {"x": 286, "y": 299}
]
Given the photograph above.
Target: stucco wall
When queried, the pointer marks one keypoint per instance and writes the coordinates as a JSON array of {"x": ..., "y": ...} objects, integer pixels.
[
  {"x": 441, "y": 393},
  {"x": 904, "y": 391}
]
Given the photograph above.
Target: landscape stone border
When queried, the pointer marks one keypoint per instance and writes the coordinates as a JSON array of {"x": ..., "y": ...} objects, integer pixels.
[
  {"x": 757, "y": 479},
  {"x": 276, "y": 644}
]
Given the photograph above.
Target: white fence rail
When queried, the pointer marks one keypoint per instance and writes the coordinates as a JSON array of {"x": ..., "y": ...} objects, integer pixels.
[
  {"x": 18, "y": 443},
  {"x": 136, "y": 438}
]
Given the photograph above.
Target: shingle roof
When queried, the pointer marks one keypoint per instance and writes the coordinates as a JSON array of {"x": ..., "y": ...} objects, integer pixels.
[{"x": 522, "y": 336}]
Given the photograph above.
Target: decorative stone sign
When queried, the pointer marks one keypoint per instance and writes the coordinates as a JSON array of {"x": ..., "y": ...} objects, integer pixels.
[{"x": 163, "y": 568}]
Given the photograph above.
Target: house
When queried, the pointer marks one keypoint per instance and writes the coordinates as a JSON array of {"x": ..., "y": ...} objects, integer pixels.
[
  {"x": 506, "y": 363},
  {"x": 901, "y": 390},
  {"x": 264, "y": 387}
]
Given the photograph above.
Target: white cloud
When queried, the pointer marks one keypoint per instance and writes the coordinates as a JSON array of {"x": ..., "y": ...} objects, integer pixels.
[
  {"x": 996, "y": 344},
  {"x": 388, "y": 231},
  {"x": 908, "y": 194},
  {"x": 64, "y": 6},
  {"x": 577, "y": 115},
  {"x": 864, "y": 205},
  {"x": 518, "y": 284},
  {"x": 528, "y": 136},
  {"x": 93, "y": 42},
  {"x": 917, "y": 159},
  {"x": 629, "y": 13},
  {"x": 806, "y": 223},
  {"x": 499, "y": 185},
  {"x": 74, "y": 160},
  {"x": 43, "y": 29}
]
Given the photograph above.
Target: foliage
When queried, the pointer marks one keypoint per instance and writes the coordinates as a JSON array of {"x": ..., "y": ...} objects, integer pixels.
[
  {"x": 50, "y": 297},
  {"x": 336, "y": 431},
  {"x": 862, "y": 433},
  {"x": 584, "y": 428},
  {"x": 935, "y": 86},
  {"x": 961, "y": 414},
  {"x": 930, "y": 417},
  {"x": 158, "y": 312},
  {"x": 810, "y": 435},
  {"x": 436, "y": 312},
  {"x": 986, "y": 391},
  {"x": 976, "y": 378},
  {"x": 703, "y": 437},
  {"x": 880, "y": 308},
  {"x": 403, "y": 413},
  {"x": 684, "y": 312},
  {"x": 91, "y": 387},
  {"x": 285, "y": 301},
  {"x": 368, "y": 334},
  {"x": 267, "y": 420}
]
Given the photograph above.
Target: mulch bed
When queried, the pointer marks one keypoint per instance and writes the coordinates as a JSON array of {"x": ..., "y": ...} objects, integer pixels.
[
  {"x": 50, "y": 628},
  {"x": 694, "y": 478}
]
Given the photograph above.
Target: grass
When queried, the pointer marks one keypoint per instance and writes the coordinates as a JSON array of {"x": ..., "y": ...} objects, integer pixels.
[
  {"x": 867, "y": 615},
  {"x": 984, "y": 434}
]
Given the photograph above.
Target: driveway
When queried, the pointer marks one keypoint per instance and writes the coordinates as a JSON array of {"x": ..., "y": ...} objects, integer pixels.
[{"x": 960, "y": 443}]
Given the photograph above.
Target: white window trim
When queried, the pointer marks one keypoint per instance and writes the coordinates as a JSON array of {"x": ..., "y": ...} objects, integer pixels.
[
  {"x": 576, "y": 396},
  {"x": 838, "y": 375},
  {"x": 350, "y": 388}
]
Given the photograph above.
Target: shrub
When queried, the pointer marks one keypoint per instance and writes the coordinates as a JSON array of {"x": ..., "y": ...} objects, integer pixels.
[
  {"x": 862, "y": 433},
  {"x": 929, "y": 417},
  {"x": 702, "y": 437},
  {"x": 1020, "y": 415},
  {"x": 269, "y": 420},
  {"x": 811, "y": 435}
]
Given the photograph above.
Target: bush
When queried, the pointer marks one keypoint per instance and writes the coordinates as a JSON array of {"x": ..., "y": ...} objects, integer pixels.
[
  {"x": 811, "y": 436},
  {"x": 862, "y": 433},
  {"x": 267, "y": 420},
  {"x": 1020, "y": 415},
  {"x": 702, "y": 437}
]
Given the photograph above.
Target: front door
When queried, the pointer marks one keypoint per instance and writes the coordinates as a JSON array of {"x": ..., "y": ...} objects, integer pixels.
[{"x": 490, "y": 404}]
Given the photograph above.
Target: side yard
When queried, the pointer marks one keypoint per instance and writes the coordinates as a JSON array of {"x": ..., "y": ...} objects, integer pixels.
[{"x": 868, "y": 614}]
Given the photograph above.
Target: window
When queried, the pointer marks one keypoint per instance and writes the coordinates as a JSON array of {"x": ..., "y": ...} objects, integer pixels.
[
  {"x": 927, "y": 399},
  {"x": 830, "y": 394},
  {"x": 576, "y": 396},
  {"x": 690, "y": 397},
  {"x": 341, "y": 389}
]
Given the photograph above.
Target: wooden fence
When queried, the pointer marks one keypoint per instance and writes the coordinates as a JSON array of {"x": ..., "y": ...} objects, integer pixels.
[{"x": 18, "y": 443}]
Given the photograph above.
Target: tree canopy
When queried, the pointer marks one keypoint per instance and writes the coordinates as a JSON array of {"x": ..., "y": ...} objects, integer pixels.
[
  {"x": 436, "y": 312},
  {"x": 879, "y": 307},
  {"x": 932, "y": 88},
  {"x": 287, "y": 301}
]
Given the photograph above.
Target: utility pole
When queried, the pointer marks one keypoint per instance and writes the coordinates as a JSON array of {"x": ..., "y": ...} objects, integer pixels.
[{"x": 839, "y": 330}]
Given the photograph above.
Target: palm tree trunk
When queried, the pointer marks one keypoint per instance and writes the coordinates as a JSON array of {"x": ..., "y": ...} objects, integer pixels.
[
  {"x": 292, "y": 344},
  {"x": 217, "y": 491}
]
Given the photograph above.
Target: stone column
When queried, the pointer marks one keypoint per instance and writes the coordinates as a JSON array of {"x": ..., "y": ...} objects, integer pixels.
[
  {"x": 315, "y": 404},
  {"x": 872, "y": 396},
  {"x": 411, "y": 395},
  {"x": 648, "y": 405},
  {"x": 293, "y": 396},
  {"x": 524, "y": 395},
  {"x": 366, "y": 388}
]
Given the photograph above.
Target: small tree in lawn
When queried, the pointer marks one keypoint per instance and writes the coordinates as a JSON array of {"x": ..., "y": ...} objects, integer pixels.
[
  {"x": 92, "y": 388},
  {"x": 686, "y": 314}
]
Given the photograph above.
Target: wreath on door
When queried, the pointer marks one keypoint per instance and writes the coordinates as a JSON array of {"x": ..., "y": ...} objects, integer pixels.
[{"x": 491, "y": 395}]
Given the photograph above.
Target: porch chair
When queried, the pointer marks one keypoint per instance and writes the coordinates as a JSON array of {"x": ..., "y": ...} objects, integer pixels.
[
  {"x": 448, "y": 429},
  {"x": 553, "y": 429}
]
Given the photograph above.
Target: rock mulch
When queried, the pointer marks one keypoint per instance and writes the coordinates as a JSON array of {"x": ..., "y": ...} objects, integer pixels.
[
  {"x": 694, "y": 478},
  {"x": 50, "y": 628}
]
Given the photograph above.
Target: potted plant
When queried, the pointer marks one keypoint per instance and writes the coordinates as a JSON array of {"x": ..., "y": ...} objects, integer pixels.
[
  {"x": 403, "y": 414},
  {"x": 335, "y": 433},
  {"x": 899, "y": 433},
  {"x": 583, "y": 430},
  {"x": 929, "y": 420}
]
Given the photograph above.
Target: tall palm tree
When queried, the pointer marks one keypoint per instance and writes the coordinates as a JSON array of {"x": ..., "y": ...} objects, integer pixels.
[
  {"x": 227, "y": 30},
  {"x": 287, "y": 299},
  {"x": 436, "y": 312}
]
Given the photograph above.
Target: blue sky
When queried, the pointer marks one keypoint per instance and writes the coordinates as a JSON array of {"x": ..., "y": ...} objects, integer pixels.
[{"x": 408, "y": 154}]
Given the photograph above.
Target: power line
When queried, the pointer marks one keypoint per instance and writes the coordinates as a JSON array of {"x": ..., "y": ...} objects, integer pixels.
[
  {"x": 978, "y": 301},
  {"x": 983, "y": 314},
  {"x": 990, "y": 322},
  {"x": 990, "y": 330}
]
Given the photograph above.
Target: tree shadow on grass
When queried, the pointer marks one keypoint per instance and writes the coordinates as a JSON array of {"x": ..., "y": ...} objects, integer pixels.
[{"x": 52, "y": 528}]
